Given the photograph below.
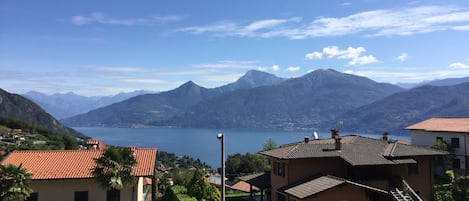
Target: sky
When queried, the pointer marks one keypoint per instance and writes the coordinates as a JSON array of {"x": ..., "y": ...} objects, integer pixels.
[{"x": 100, "y": 48}]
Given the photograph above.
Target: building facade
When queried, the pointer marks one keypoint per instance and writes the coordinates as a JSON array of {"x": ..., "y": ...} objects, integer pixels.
[
  {"x": 453, "y": 131},
  {"x": 65, "y": 175},
  {"x": 350, "y": 168}
]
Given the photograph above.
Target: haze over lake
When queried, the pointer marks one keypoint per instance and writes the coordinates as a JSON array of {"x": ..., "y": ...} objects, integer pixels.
[{"x": 201, "y": 143}]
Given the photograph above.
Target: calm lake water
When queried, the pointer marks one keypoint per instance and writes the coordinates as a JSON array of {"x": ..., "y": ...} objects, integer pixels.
[{"x": 200, "y": 143}]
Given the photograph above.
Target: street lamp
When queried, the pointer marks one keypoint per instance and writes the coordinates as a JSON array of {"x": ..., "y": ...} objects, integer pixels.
[{"x": 221, "y": 137}]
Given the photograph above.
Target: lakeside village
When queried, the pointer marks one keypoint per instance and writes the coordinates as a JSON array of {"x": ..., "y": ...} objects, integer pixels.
[{"x": 433, "y": 166}]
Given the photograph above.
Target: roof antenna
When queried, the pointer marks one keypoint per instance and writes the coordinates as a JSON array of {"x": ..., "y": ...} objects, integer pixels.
[{"x": 315, "y": 135}]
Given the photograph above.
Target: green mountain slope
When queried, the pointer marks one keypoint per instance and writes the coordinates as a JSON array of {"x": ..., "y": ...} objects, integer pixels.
[
  {"x": 18, "y": 107},
  {"x": 145, "y": 109},
  {"x": 300, "y": 103},
  {"x": 397, "y": 111}
]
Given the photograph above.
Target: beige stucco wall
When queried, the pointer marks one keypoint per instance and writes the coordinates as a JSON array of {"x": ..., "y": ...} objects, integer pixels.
[{"x": 64, "y": 190}]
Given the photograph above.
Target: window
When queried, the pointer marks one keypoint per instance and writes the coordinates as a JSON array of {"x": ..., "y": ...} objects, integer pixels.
[
  {"x": 33, "y": 197},
  {"x": 281, "y": 197},
  {"x": 456, "y": 163},
  {"x": 280, "y": 168},
  {"x": 455, "y": 142},
  {"x": 113, "y": 195},
  {"x": 372, "y": 196},
  {"x": 81, "y": 196},
  {"x": 439, "y": 138},
  {"x": 413, "y": 169}
]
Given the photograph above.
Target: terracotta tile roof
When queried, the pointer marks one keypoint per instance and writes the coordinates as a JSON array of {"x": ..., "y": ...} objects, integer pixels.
[
  {"x": 356, "y": 150},
  {"x": 244, "y": 186},
  {"x": 318, "y": 184},
  {"x": 261, "y": 180},
  {"x": 72, "y": 164},
  {"x": 443, "y": 124}
]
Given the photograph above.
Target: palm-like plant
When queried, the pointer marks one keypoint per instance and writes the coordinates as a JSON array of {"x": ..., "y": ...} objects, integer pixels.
[
  {"x": 113, "y": 170},
  {"x": 14, "y": 183}
]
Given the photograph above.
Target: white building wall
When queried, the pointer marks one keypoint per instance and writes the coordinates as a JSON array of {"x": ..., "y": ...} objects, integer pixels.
[
  {"x": 64, "y": 190},
  {"x": 425, "y": 138}
]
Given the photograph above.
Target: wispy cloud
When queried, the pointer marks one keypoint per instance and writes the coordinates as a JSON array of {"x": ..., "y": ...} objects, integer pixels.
[
  {"x": 458, "y": 65},
  {"x": 261, "y": 28},
  {"x": 345, "y": 4},
  {"x": 101, "y": 18},
  {"x": 409, "y": 75},
  {"x": 293, "y": 68},
  {"x": 229, "y": 64},
  {"x": 354, "y": 55},
  {"x": 403, "y": 57},
  {"x": 383, "y": 22}
]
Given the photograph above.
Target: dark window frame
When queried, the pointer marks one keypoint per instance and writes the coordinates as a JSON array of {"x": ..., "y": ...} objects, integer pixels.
[
  {"x": 413, "y": 169},
  {"x": 81, "y": 196},
  {"x": 280, "y": 168},
  {"x": 455, "y": 142},
  {"x": 456, "y": 161},
  {"x": 33, "y": 197}
]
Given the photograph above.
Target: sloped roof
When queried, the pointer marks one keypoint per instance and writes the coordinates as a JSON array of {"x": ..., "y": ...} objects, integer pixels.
[
  {"x": 73, "y": 164},
  {"x": 356, "y": 150},
  {"x": 320, "y": 184},
  {"x": 244, "y": 186},
  {"x": 460, "y": 125},
  {"x": 260, "y": 180}
]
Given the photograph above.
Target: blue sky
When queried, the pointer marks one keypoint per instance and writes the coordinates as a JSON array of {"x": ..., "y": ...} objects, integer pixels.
[{"x": 105, "y": 47}]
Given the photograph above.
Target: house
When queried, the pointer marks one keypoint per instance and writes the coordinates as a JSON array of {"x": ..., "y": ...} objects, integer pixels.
[
  {"x": 65, "y": 175},
  {"x": 350, "y": 167},
  {"x": 454, "y": 131}
]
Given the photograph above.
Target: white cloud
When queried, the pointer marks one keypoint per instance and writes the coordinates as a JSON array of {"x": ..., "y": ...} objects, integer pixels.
[
  {"x": 459, "y": 65},
  {"x": 118, "y": 69},
  {"x": 275, "y": 68},
  {"x": 351, "y": 53},
  {"x": 362, "y": 60},
  {"x": 403, "y": 75},
  {"x": 384, "y": 22},
  {"x": 345, "y": 4},
  {"x": 293, "y": 68},
  {"x": 402, "y": 57},
  {"x": 313, "y": 56},
  {"x": 144, "y": 81},
  {"x": 100, "y": 18}
]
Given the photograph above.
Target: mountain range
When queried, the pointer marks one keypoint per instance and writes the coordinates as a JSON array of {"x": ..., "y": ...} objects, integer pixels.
[
  {"x": 149, "y": 108},
  {"x": 402, "y": 109},
  {"x": 63, "y": 105},
  {"x": 18, "y": 107},
  {"x": 267, "y": 103}
]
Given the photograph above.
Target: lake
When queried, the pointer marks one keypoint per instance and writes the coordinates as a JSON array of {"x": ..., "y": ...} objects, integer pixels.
[{"x": 200, "y": 143}]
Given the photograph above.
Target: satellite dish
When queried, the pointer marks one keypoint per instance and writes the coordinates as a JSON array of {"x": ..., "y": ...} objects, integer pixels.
[{"x": 315, "y": 134}]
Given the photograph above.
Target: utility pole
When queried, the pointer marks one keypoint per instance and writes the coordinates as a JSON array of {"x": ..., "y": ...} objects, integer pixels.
[{"x": 221, "y": 137}]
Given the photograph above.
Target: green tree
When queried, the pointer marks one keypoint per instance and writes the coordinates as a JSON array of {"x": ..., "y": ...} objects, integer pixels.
[
  {"x": 456, "y": 190},
  {"x": 199, "y": 188},
  {"x": 14, "y": 183},
  {"x": 238, "y": 164},
  {"x": 269, "y": 144},
  {"x": 113, "y": 170}
]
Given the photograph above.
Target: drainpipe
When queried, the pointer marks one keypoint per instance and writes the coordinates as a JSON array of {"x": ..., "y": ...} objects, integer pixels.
[{"x": 465, "y": 154}]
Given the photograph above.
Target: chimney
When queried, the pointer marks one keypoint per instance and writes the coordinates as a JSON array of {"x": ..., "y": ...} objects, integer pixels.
[
  {"x": 334, "y": 133},
  {"x": 337, "y": 143},
  {"x": 306, "y": 139},
  {"x": 385, "y": 136}
]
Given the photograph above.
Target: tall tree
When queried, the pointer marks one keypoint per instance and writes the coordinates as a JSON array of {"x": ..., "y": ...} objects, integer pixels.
[
  {"x": 269, "y": 144},
  {"x": 113, "y": 170},
  {"x": 14, "y": 183},
  {"x": 199, "y": 188}
]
